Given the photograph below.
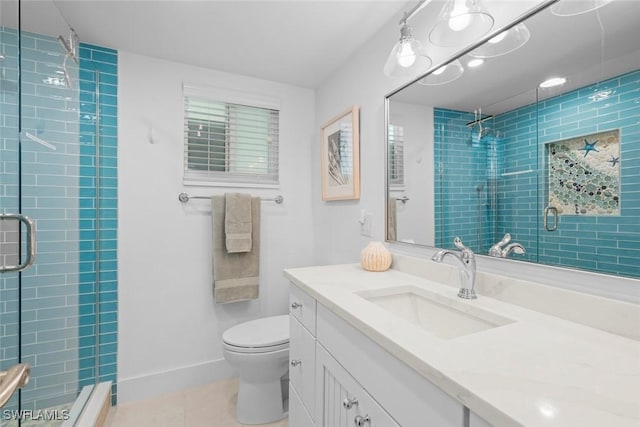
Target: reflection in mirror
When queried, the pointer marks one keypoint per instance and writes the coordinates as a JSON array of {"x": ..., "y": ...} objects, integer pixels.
[{"x": 555, "y": 166}]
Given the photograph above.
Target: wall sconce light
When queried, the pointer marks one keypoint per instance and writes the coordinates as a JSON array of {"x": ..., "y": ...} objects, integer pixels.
[
  {"x": 408, "y": 57},
  {"x": 505, "y": 42},
  {"x": 576, "y": 7},
  {"x": 461, "y": 22}
]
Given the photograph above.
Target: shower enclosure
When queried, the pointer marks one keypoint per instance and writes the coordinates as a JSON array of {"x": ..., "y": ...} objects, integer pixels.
[
  {"x": 474, "y": 190},
  {"x": 49, "y": 307}
]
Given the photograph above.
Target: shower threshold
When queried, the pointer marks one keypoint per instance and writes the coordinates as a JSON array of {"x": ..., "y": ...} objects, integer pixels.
[{"x": 91, "y": 407}]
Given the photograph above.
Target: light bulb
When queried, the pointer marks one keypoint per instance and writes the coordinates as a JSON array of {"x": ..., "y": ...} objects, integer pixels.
[
  {"x": 406, "y": 55},
  {"x": 498, "y": 38},
  {"x": 439, "y": 70},
  {"x": 460, "y": 17}
]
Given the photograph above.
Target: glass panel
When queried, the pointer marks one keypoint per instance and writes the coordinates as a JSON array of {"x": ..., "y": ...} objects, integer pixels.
[
  {"x": 47, "y": 312},
  {"x": 9, "y": 284},
  {"x": 53, "y": 328}
]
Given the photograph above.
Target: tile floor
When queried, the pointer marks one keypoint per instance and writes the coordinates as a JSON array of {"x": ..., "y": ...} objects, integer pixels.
[{"x": 212, "y": 405}]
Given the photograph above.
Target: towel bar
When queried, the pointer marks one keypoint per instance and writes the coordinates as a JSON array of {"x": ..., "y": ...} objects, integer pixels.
[{"x": 184, "y": 198}]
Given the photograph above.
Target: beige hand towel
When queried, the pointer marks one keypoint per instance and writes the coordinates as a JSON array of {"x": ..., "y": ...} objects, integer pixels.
[
  {"x": 391, "y": 218},
  {"x": 235, "y": 275},
  {"x": 237, "y": 222}
]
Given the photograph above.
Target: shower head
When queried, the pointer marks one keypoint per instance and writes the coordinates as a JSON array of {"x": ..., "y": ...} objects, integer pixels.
[
  {"x": 70, "y": 51},
  {"x": 70, "y": 46}
]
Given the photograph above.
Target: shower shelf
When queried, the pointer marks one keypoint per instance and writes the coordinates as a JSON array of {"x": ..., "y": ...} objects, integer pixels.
[{"x": 517, "y": 172}]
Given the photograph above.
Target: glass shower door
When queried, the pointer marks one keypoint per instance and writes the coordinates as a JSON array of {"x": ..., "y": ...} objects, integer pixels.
[
  {"x": 9, "y": 207},
  {"x": 47, "y": 311}
]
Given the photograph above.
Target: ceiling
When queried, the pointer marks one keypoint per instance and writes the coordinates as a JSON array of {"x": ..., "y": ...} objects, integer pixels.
[{"x": 298, "y": 42}]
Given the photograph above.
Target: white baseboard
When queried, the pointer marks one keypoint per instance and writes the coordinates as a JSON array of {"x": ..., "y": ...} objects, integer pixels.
[{"x": 159, "y": 383}]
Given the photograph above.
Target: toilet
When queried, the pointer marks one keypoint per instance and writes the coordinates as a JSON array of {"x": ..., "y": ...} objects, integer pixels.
[{"x": 259, "y": 352}]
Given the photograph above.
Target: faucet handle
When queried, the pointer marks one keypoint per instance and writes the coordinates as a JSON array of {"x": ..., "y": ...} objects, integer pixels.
[
  {"x": 457, "y": 242},
  {"x": 506, "y": 239}
]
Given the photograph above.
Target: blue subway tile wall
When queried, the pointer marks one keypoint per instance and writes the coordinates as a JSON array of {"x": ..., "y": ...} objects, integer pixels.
[
  {"x": 462, "y": 181},
  {"x": 98, "y": 106},
  {"x": 49, "y": 146},
  {"x": 58, "y": 191},
  {"x": 9, "y": 110},
  {"x": 608, "y": 244},
  {"x": 515, "y": 173}
]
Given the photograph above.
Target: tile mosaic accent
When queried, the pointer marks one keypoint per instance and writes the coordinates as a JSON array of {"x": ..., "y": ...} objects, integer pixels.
[{"x": 584, "y": 174}]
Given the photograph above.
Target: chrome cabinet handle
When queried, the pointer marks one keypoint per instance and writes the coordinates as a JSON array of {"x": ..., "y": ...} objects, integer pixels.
[
  {"x": 31, "y": 242},
  {"x": 296, "y": 304},
  {"x": 295, "y": 362},
  {"x": 360, "y": 421},
  {"x": 348, "y": 403},
  {"x": 16, "y": 377},
  {"x": 545, "y": 220}
]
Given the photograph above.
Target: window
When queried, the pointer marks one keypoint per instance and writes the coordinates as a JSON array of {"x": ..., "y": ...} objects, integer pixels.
[
  {"x": 229, "y": 143},
  {"x": 396, "y": 155}
]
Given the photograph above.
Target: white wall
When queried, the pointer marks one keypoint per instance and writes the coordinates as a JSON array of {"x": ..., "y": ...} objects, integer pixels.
[
  {"x": 415, "y": 219},
  {"x": 169, "y": 327}
]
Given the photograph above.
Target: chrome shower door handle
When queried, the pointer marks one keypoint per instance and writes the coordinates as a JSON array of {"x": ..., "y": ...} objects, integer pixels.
[
  {"x": 31, "y": 242},
  {"x": 11, "y": 380},
  {"x": 545, "y": 220}
]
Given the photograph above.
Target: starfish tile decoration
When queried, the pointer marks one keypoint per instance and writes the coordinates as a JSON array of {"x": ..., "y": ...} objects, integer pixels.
[
  {"x": 614, "y": 161},
  {"x": 589, "y": 146}
]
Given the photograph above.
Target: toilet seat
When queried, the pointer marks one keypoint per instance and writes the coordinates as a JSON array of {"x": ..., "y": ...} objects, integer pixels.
[{"x": 258, "y": 336}]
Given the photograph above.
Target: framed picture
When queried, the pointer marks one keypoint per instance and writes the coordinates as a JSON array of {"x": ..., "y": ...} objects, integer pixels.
[{"x": 340, "y": 140}]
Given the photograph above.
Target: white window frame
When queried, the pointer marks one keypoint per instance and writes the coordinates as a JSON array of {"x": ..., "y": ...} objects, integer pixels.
[{"x": 190, "y": 177}]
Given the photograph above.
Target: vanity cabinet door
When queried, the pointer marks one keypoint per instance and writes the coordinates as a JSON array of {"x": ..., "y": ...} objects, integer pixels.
[
  {"x": 302, "y": 352},
  {"x": 341, "y": 400},
  {"x": 298, "y": 416}
]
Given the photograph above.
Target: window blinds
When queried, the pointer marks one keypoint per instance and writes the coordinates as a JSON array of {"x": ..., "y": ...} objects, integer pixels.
[
  {"x": 395, "y": 155},
  {"x": 230, "y": 143}
]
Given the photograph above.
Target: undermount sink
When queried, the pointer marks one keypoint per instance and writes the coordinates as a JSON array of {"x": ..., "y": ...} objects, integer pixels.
[{"x": 441, "y": 316}]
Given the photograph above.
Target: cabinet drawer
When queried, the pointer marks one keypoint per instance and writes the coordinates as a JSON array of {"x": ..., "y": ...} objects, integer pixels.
[
  {"x": 342, "y": 402},
  {"x": 298, "y": 416},
  {"x": 303, "y": 307},
  {"x": 302, "y": 355}
]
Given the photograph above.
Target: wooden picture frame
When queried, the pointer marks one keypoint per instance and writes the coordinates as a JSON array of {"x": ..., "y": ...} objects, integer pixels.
[{"x": 340, "y": 152}]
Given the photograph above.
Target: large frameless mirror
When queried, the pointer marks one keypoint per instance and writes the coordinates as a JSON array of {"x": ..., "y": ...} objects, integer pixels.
[{"x": 528, "y": 146}]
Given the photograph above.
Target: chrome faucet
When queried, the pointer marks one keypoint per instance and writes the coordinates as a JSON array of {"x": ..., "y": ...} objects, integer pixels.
[
  {"x": 499, "y": 251},
  {"x": 467, "y": 272}
]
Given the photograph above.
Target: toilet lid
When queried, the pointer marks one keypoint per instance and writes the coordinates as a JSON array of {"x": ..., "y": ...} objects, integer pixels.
[{"x": 265, "y": 332}]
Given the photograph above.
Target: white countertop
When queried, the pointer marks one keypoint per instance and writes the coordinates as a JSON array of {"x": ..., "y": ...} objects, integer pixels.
[{"x": 539, "y": 370}]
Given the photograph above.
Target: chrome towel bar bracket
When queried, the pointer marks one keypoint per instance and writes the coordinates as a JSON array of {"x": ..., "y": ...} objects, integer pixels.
[{"x": 184, "y": 198}]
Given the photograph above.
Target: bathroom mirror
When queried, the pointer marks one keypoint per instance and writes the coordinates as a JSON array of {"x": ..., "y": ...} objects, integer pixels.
[{"x": 491, "y": 152}]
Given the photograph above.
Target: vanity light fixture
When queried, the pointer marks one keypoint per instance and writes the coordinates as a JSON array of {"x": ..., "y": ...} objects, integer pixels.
[
  {"x": 445, "y": 74},
  {"x": 460, "y": 23},
  {"x": 475, "y": 62},
  {"x": 408, "y": 57},
  {"x": 505, "y": 42},
  {"x": 554, "y": 81},
  {"x": 577, "y": 7}
]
